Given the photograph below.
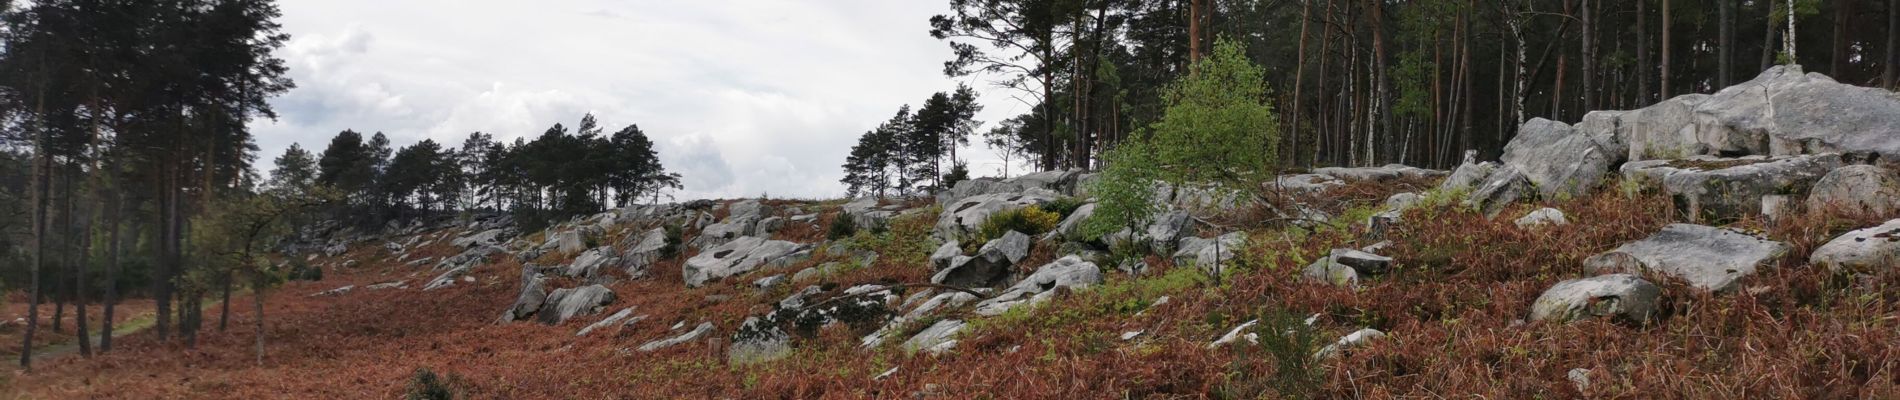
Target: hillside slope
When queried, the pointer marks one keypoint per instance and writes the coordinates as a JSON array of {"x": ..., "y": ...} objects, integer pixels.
[{"x": 1616, "y": 258}]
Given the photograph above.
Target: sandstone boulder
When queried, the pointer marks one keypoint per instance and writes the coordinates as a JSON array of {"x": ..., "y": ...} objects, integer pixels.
[
  {"x": 1866, "y": 251},
  {"x": 1720, "y": 189},
  {"x": 563, "y": 304},
  {"x": 1708, "y": 258},
  {"x": 1617, "y": 296},
  {"x": 1857, "y": 189},
  {"x": 734, "y": 258}
]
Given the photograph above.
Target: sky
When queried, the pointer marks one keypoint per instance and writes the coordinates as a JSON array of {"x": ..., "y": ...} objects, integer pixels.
[{"x": 742, "y": 97}]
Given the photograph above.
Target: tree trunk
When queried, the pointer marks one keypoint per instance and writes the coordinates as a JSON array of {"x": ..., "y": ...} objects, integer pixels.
[
  {"x": 112, "y": 270},
  {"x": 1516, "y": 21},
  {"x": 257, "y": 304},
  {"x": 79, "y": 288},
  {"x": 1788, "y": 39},
  {"x": 41, "y": 191},
  {"x": 1195, "y": 8},
  {"x": 224, "y": 313},
  {"x": 161, "y": 282},
  {"x": 1843, "y": 13},
  {"x": 1772, "y": 35},
  {"x": 1893, "y": 35},
  {"x": 1299, "y": 81},
  {"x": 1665, "y": 49},
  {"x": 62, "y": 276},
  {"x": 1725, "y": 42},
  {"x": 1642, "y": 53},
  {"x": 1588, "y": 68},
  {"x": 1052, "y": 151}
]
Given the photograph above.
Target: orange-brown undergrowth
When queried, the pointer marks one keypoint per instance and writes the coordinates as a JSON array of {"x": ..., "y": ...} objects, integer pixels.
[{"x": 1454, "y": 307}]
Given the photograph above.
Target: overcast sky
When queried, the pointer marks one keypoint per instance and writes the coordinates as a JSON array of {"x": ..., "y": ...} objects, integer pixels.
[{"x": 743, "y": 97}]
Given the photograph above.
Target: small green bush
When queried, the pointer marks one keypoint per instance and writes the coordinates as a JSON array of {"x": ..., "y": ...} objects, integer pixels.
[
  {"x": 1064, "y": 206},
  {"x": 301, "y": 270},
  {"x": 958, "y": 173},
  {"x": 1031, "y": 220},
  {"x": 842, "y": 227},
  {"x": 675, "y": 235},
  {"x": 426, "y": 385}
]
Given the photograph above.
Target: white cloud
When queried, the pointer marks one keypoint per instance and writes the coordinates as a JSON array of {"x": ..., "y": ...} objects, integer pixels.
[{"x": 743, "y": 97}]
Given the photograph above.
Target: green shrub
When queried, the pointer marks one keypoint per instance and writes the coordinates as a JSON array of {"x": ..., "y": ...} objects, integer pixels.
[
  {"x": 1289, "y": 343},
  {"x": 301, "y": 270},
  {"x": 675, "y": 235},
  {"x": 1217, "y": 130},
  {"x": 1064, "y": 206},
  {"x": 426, "y": 385},
  {"x": 1031, "y": 220},
  {"x": 842, "y": 227},
  {"x": 958, "y": 173}
]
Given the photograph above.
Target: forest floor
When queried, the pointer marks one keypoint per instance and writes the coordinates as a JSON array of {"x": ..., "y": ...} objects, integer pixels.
[
  {"x": 1454, "y": 309},
  {"x": 129, "y": 316}
]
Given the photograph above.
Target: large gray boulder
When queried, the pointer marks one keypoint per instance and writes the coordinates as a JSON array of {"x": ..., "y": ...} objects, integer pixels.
[
  {"x": 940, "y": 259},
  {"x": 936, "y": 339},
  {"x": 867, "y": 213},
  {"x": 758, "y": 340},
  {"x": 1329, "y": 271},
  {"x": 1616, "y": 296},
  {"x": 1365, "y": 263},
  {"x": 1541, "y": 217},
  {"x": 1305, "y": 183},
  {"x": 1206, "y": 252},
  {"x": 1783, "y": 111},
  {"x": 724, "y": 231},
  {"x": 1167, "y": 229},
  {"x": 489, "y": 237},
  {"x": 965, "y": 216},
  {"x": 1720, "y": 188},
  {"x": 589, "y": 263},
  {"x": 534, "y": 293},
  {"x": 644, "y": 252},
  {"x": 989, "y": 267},
  {"x": 1468, "y": 175},
  {"x": 563, "y": 304},
  {"x": 1065, "y": 273},
  {"x": 1501, "y": 189},
  {"x": 1561, "y": 161},
  {"x": 569, "y": 241},
  {"x": 603, "y": 323},
  {"x": 1058, "y": 182},
  {"x": 1071, "y": 226},
  {"x": 1706, "y": 257},
  {"x": 1866, "y": 251},
  {"x": 1857, "y": 189},
  {"x": 1385, "y": 173},
  {"x": 749, "y": 209},
  {"x": 702, "y": 330},
  {"x": 737, "y": 257}
]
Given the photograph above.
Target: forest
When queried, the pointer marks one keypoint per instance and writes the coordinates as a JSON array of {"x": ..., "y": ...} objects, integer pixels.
[
  {"x": 1361, "y": 82},
  {"x": 129, "y": 168}
]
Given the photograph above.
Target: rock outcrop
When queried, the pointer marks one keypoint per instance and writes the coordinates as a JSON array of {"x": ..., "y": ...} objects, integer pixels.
[
  {"x": 1706, "y": 257},
  {"x": 1065, "y": 273},
  {"x": 1617, "y": 296},
  {"x": 563, "y": 304},
  {"x": 737, "y": 257},
  {"x": 1857, "y": 190},
  {"x": 1866, "y": 251},
  {"x": 1721, "y": 189}
]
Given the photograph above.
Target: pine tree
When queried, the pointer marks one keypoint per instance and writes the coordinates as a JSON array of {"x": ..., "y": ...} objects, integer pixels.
[{"x": 295, "y": 170}]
